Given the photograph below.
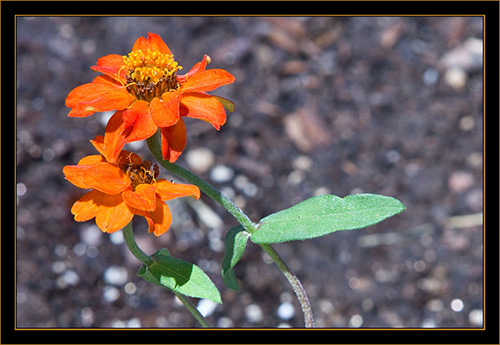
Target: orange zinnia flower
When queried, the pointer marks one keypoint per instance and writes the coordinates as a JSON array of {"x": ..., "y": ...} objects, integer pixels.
[
  {"x": 145, "y": 88},
  {"x": 124, "y": 189}
]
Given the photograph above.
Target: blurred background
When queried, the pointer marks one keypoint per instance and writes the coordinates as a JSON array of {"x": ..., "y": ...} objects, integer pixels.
[{"x": 324, "y": 105}]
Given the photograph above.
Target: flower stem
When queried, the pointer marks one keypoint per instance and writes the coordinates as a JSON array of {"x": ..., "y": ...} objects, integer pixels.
[
  {"x": 193, "y": 310},
  {"x": 242, "y": 218},
  {"x": 204, "y": 186},
  {"x": 128, "y": 236},
  {"x": 294, "y": 282}
]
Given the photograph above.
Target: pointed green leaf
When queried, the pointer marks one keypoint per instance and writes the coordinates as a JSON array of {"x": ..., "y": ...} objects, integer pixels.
[
  {"x": 325, "y": 214},
  {"x": 230, "y": 281},
  {"x": 234, "y": 243},
  {"x": 179, "y": 276}
]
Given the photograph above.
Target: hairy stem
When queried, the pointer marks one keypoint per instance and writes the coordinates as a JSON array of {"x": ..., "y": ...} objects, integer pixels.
[{"x": 295, "y": 283}]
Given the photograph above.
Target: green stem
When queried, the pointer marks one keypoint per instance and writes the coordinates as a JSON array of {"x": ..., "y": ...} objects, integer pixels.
[
  {"x": 204, "y": 186},
  {"x": 128, "y": 236},
  {"x": 193, "y": 310},
  {"x": 242, "y": 218},
  {"x": 295, "y": 283}
]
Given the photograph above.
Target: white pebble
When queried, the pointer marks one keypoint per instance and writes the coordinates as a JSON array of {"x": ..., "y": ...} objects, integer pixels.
[
  {"x": 456, "y": 78},
  {"x": 253, "y": 313},
  {"x": 286, "y": 311},
  {"x": 303, "y": 163},
  {"x": 71, "y": 277},
  {"x": 21, "y": 189},
  {"x": 130, "y": 288},
  {"x": 116, "y": 323},
  {"x": 356, "y": 321},
  {"x": 200, "y": 159},
  {"x": 476, "y": 317},
  {"x": 91, "y": 235},
  {"x": 116, "y": 275},
  {"x": 116, "y": 237},
  {"x": 457, "y": 305},
  {"x": 221, "y": 173},
  {"x": 110, "y": 294},
  {"x": 134, "y": 323},
  {"x": 58, "y": 267},
  {"x": 206, "y": 307},
  {"x": 225, "y": 322}
]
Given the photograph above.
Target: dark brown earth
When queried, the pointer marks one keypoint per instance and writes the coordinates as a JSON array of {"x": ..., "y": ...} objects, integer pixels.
[{"x": 336, "y": 105}]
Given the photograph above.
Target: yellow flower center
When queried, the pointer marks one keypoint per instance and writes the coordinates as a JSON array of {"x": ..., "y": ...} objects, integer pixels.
[
  {"x": 150, "y": 73},
  {"x": 140, "y": 173}
]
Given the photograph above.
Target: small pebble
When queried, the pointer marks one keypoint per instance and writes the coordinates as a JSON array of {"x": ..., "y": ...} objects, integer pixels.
[
  {"x": 116, "y": 275},
  {"x": 456, "y": 78},
  {"x": 253, "y": 313},
  {"x": 110, "y": 294},
  {"x": 200, "y": 159},
  {"x": 221, "y": 174},
  {"x": 206, "y": 307},
  {"x": 460, "y": 181},
  {"x": 476, "y": 317},
  {"x": 286, "y": 311},
  {"x": 457, "y": 305}
]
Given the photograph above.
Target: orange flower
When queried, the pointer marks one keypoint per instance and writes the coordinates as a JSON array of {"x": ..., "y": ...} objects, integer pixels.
[
  {"x": 145, "y": 88},
  {"x": 120, "y": 191}
]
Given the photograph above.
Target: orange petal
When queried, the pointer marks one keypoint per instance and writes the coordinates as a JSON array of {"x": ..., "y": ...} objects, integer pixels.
[
  {"x": 98, "y": 143},
  {"x": 165, "y": 111},
  {"x": 169, "y": 190},
  {"x": 203, "y": 106},
  {"x": 92, "y": 159},
  {"x": 173, "y": 141},
  {"x": 207, "y": 80},
  {"x": 139, "y": 122},
  {"x": 96, "y": 97},
  {"x": 105, "y": 177},
  {"x": 110, "y": 65},
  {"x": 153, "y": 42},
  {"x": 160, "y": 219},
  {"x": 76, "y": 175},
  {"x": 114, "y": 137},
  {"x": 108, "y": 80},
  {"x": 143, "y": 198},
  {"x": 86, "y": 207},
  {"x": 113, "y": 213}
]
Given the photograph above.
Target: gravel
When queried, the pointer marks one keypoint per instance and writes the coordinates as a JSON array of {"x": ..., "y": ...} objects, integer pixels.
[{"x": 340, "y": 105}]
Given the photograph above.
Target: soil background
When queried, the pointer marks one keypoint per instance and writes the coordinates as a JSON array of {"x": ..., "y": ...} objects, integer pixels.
[{"x": 324, "y": 105}]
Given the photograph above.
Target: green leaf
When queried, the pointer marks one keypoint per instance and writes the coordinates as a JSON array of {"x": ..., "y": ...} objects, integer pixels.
[
  {"x": 230, "y": 281},
  {"x": 235, "y": 242},
  {"x": 325, "y": 214},
  {"x": 180, "y": 276}
]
